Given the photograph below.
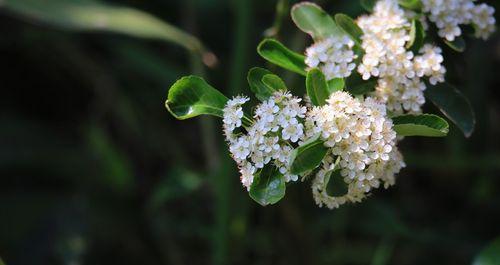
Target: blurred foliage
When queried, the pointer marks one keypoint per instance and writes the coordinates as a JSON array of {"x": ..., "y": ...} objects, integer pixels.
[
  {"x": 91, "y": 15},
  {"x": 490, "y": 254},
  {"x": 94, "y": 170}
]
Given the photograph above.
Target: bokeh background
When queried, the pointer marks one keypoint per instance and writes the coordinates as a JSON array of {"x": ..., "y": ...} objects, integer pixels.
[{"x": 94, "y": 170}]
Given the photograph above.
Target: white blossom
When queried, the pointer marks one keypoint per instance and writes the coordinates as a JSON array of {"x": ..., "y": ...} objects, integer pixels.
[
  {"x": 247, "y": 174},
  {"x": 333, "y": 56},
  {"x": 240, "y": 149},
  {"x": 483, "y": 20},
  {"x": 429, "y": 64},
  {"x": 449, "y": 15},
  {"x": 233, "y": 113},
  {"x": 293, "y": 132}
]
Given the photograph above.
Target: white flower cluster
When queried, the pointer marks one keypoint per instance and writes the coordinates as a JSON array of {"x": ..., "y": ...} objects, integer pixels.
[
  {"x": 399, "y": 71},
  {"x": 333, "y": 56},
  {"x": 448, "y": 15},
  {"x": 386, "y": 33},
  {"x": 359, "y": 134},
  {"x": 278, "y": 124}
]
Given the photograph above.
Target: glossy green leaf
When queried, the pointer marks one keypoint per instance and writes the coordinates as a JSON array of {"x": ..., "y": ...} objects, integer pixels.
[
  {"x": 411, "y": 4},
  {"x": 317, "y": 87},
  {"x": 268, "y": 186},
  {"x": 336, "y": 84},
  {"x": 368, "y": 5},
  {"x": 90, "y": 15},
  {"x": 417, "y": 36},
  {"x": 457, "y": 45},
  {"x": 261, "y": 90},
  {"x": 335, "y": 184},
  {"x": 490, "y": 255},
  {"x": 348, "y": 25},
  {"x": 274, "y": 82},
  {"x": 420, "y": 125},
  {"x": 191, "y": 96},
  {"x": 276, "y": 53},
  {"x": 454, "y": 105},
  {"x": 314, "y": 21},
  {"x": 307, "y": 156}
]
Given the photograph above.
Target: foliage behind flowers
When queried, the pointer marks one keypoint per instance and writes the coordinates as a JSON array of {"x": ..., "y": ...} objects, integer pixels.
[{"x": 384, "y": 59}]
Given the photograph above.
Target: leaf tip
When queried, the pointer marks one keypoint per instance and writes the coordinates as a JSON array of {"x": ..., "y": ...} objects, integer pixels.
[
  {"x": 263, "y": 42},
  {"x": 305, "y": 3}
]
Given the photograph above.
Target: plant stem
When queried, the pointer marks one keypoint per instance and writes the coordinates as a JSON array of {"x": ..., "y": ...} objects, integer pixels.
[
  {"x": 383, "y": 252},
  {"x": 282, "y": 7},
  {"x": 242, "y": 15}
]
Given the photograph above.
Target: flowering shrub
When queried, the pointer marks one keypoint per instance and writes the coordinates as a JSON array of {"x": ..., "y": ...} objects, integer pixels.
[{"x": 366, "y": 81}]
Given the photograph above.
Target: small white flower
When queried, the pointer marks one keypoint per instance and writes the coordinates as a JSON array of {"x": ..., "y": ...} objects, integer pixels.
[
  {"x": 484, "y": 20},
  {"x": 240, "y": 149},
  {"x": 267, "y": 110},
  {"x": 247, "y": 174},
  {"x": 233, "y": 113},
  {"x": 270, "y": 144},
  {"x": 293, "y": 132}
]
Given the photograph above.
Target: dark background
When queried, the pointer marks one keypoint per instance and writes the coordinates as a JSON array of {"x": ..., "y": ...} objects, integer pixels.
[{"x": 94, "y": 170}]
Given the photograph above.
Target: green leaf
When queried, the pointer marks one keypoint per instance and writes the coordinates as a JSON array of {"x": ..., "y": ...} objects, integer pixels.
[
  {"x": 368, "y": 5},
  {"x": 411, "y": 4},
  {"x": 457, "y": 45},
  {"x": 273, "y": 82},
  {"x": 335, "y": 184},
  {"x": 417, "y": 36},
  {"x": 348, "y": 25},
  {"x": 490, "y": 255},
  {"x": 268, "y": 186},
  {"x": 1, "y": 262},
  {"x": 89, "y": 15},
  {"x": 191, "y": 96},
  {"x": 363, "y": 88},
  {"x": 420, "y": 125},
  {"x": 454, "y": 105},
  {"x": 276, "y": 53},
  {"x": 336, "y": 84},
  {"x": 357, "y": 86},
  {"x": 307, "y": 156},
  {"x": 314, "y": 21},
  {"x": 317, "y": 87},
  {"x": 257, "y": 86}
]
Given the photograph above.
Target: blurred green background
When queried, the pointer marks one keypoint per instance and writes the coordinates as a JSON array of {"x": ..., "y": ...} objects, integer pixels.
[{"x": 94, "y": 170}]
